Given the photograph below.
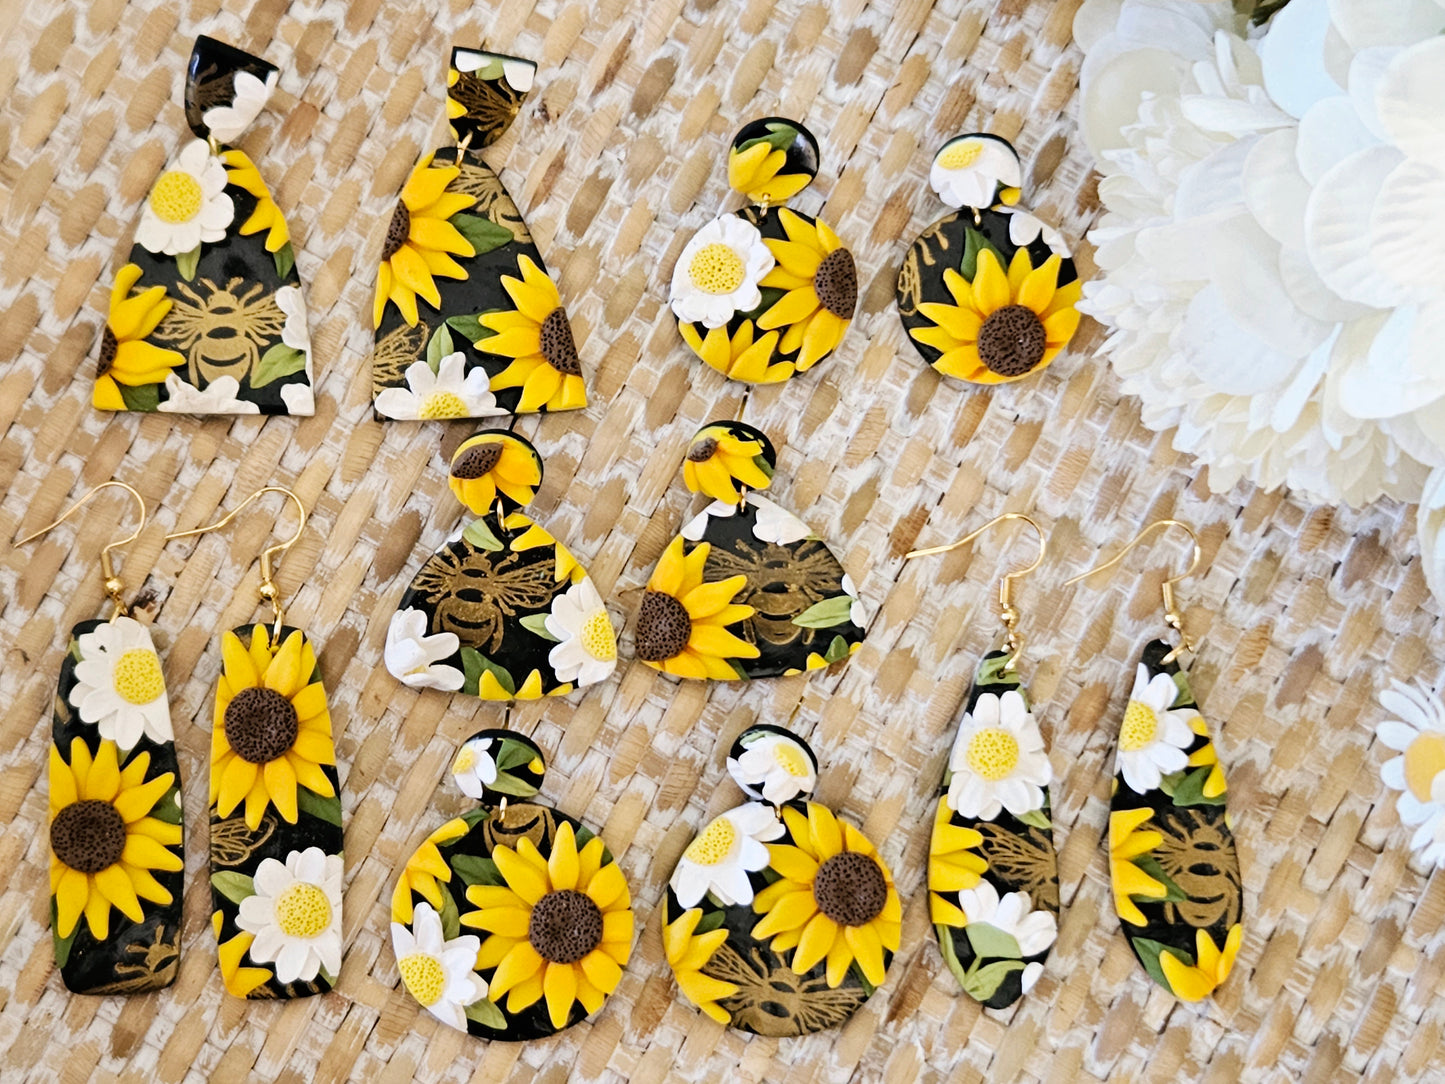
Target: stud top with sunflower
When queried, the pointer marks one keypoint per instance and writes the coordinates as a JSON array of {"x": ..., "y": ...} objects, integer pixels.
[
  {"x": 988, "y": 293},
  {"x": 766, "y": 292},
  {"x": 468, "y": 322}
]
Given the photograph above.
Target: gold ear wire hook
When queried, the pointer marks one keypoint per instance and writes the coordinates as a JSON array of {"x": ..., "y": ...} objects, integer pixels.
[{"x": 113, "y": 583}]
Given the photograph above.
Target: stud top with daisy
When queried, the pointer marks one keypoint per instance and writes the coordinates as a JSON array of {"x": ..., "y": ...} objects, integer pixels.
[
  {"x": 988, "y": 293},
  {"x": 766, "y": 292},
  {"x": 781, "y": 918}
]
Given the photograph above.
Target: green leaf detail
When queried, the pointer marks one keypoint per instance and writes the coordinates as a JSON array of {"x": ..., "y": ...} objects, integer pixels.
[
  {"x": 486, "y": 1013},
  {"x": 537, "y": 624},
  {"x": 314, "y": 805},
  {"x": 825, "y": 614},
  {"x": 1184, "y": 696},
  {"x": 469, "y": 327},
  {"x": 168, "y": 809},
  {"x": 1149, "y": 956},
  {"x": 439, "y": 347},
  {"x": 187, "y": 262},
  {"x": 985, "y": 981},
  {"x": 482, "y": 234},
  {"x": 473, "y": 869},
  {"x": 451, "y": 920},
  {"x": 780, "y": 137},
  {"x": 950, "y": 954},
  {"x": 508, "y": 784},
  {"x": 142, "y": 397},
  {"x": 838, "y": 649},
  {"x": 1190, "y": 790},
  {"x": 710, "y": 921},
  {"x": 62, "y": 944},
  {"x": 234, "y": 886},
  {"x": 991, "y": 672},
  {"x": 514, "y": 754},
  {"x": 472, "y": 818},
  {"x": 990, "y": 942},
  {"x": 278, "y": 361},
  {"x": 480, "y": 535},
  {"x": 474, "y": 664},
  {"x": 285, "y": 258},
  {"x": 1150, "y": 865},
  {"x": 1037, "y": 818},
  {"x": 974, "y": 243}
]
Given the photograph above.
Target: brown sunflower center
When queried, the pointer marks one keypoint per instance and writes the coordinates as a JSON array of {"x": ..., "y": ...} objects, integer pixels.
[
  {"x": 109, "y": 347},
  {"x": 88, "y": 836},
  {"x": 663, "y": 627},
  {"x": 261, "y": 724},
  {"x": 1012, "y": 340},
  {"x": 476, "y": 461},
  {"x": 836, "y": 283},
  {"x": 558, "y": 346},
  {"x": 397, "y": 232},
  {"x": 850, "y": 889},
  {"x": 703, "y": 450},
  {"x": 565, "y": 926}
]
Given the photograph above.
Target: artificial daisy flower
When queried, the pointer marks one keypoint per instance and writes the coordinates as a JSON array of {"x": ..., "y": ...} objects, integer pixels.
[
  {"x": 493, "y": 462},
  {"x": 220, "y": 396},
  {"x": 104, "y": 842},
  {"x": 119, "y": 685},
  {"x": 474, "y": 768},
  {"x": 954, "y": 864},
  {"x": 438, "y": 972},
  {"x": 187, "y": 204},
  {"x": 586, "y": 651},
  {"x": 755, "y": 168},
  {"x": 774, "y": 767},
  {"x": 415, "y": 659},
  {"x": 834, "y": 900},
  {"x": 242, "y": 173},
  {"x": 723, "y": 854},
  {"x": 1416, "y": 730},
  {"x": 1024, "y": 229},
  {"x": 272, "y": 731},
  {"x": 295, "y": 915},
  {"x": 560, "y": 928},
  {"x": 295, "y": 333},
  {"x": 682, "y": 622},
  {"x": 424, "y": 871},
  {"x": 719, "y": 271},
  {"x": 1211, "y": 967},
  {"x": 300, "y": 400},
  {"x": 857, "y": 612},
  {"x": 968, "y": 170},
  {"x": 998, "y": 760},
  {"x": 420, "y": 242},
  {"x": 721, "y": 458},
  {"x": 773, "y": 523},
  {"x": 1033, "y": 931},
  {"x": 1002, "y": 326},
  {"x": 1152, "y": 738},
  {"x": 688, "y": 953},
  {"x": 449, "y": 392},
  {"x": 821, "y": 281},
  {"x": 125, "y": 356},
  {"x": 742, "y": 356},
  {"x": 1128, "y": 840},
  {"x": 538, "y": 338},
  {"x": 248, "y": 98}
]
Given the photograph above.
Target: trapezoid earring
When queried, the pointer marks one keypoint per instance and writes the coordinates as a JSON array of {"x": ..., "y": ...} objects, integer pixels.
[
  {"x": 766, "y": 291},
  {"x": 503, "y": 610},
  {"x": 275, "y": 798},
  {"x": 116, "y": 855},
  {"x": 1172, "y": 859},
  {"x": 781, "y": 917},
  {"x": 512, "y": 921},
  {"x": 746, "y": 589},
  {"x": 993, "y": 876},
  {"x": 468, "y": 322},
  {"x": 207, "y": 315},
  {"x": 987, "y": 294}
]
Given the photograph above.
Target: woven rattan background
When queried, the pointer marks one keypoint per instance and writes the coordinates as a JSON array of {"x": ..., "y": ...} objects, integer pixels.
[{"x": 616, "y": 159}]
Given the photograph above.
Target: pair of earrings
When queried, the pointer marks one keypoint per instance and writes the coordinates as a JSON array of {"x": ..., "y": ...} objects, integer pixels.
[{"x": 115, "y": 801}]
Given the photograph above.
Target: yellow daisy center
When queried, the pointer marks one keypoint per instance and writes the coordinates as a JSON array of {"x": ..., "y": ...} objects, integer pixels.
[
  {"x": 1141, "y": 725},
  {"x": 137, "y": 676},
  {"x": 176, "y": 197},
  {"x": 791, "y": 759},
  {"x": 442, "y": 404},
  {"x": 993, "y": 753},
  {"x": 423, "y": 976},
  {"x": 303, "y": 910},
  {"x": 1424, "y": 760},
  {"x": 716, "y": 269},
  {"x": 466, "y": 760},
  {"x": 960, "y": 155},
  {"x": 714, "y": 845},
  {"x": 598, "y": 639}
]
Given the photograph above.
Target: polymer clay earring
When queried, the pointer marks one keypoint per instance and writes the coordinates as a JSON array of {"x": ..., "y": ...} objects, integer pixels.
[
  {"x": 746, "y": 590},
  {"x": 766, "y": 291},
  {"x": 276, "y": 866},
  {"x": 503, "y": 610},
  {"x": 993, "y": 877},
  {"x": 1172, "y": 859},
  {"x": 512, "y": 921},
  {"x": 207, "y": 316},
  {"x": 988, "y": 293},
  {"x": 781, "y": 917},
  {"x": 115, "y": 800},
  {"x": 468, "y": 322}
]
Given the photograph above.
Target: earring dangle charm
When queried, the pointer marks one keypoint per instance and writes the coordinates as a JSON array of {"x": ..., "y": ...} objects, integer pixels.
[
  {"x": 207, "y": 315},
  {"x": 765, "y": 292},
  {"x": 116, "y": 855}
]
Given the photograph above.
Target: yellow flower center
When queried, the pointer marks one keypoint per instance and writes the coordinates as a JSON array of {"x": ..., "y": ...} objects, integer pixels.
[
  {"x": 176, "y": 197},
  {"x": 303, "y": 910},
  {"x": 466, "y": 760},
  {"x": 1424, "y": 760},
  {"x": 960, "y": 155},
  {"x": 442, "y": 404},
  {"x": 424, "y": 977},
  {"x": 716, "y": 269},
  {"x": 137, "y": 676},
  {"x": 714, "y": 845},
  {"x": 1141, "y": 725},
  {"x": 791, "y": 759},
  {"x": 993, "y": 753},
  {"x": 598, "y": 639}
]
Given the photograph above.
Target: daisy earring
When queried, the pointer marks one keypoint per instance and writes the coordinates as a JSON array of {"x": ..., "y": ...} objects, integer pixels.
[
  {"x": 468, "y": 322},
  {"x": 275, "y": 802},
  {"x": 512, "y": 921},
  {"x": 116, "y": 858},
  {"x": 987, "y": 294},
  {"x": 1172, "y": 858},
  {"x": 207, "y": 314},
  {"x": 766, "y": 291},
  {"x": 779, "y": 894},
  {"x": 540, "y": 629}
]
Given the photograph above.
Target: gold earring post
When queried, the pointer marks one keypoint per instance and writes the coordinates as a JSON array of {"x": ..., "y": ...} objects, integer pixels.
[{"x": 113, "y": 583}]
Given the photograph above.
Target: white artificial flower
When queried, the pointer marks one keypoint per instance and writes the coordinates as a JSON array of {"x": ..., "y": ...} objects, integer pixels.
[
  {"x": 1030, "y": 975},
  {"x": 1034, "y": 931},
  {"x": 723, "y": 854},
  {"x": 218, "y": 398},
  {"x": 774, "y": 524},
  {"x": 586, "y": 649},
  {"x": 450, "y": 392},
  {"x": 474, "y": 768},
  {"x": 296, "y": 914},
  {"x": 1025, "y": 228},
  {"x": 227, "y": 122},
  {"x": 1416, "y": 730},
  {"x": 300, "y": 400},
  {"x": 718, "y": 272},
  {"x": 774, "y": 767},
  {"x": 437, "y": 972},
  {"x": 998, "y": 760},
  {"x": 857, "y": 613},
  {"x": 518, "y": 74},
  {"x": 415, "y": 659},
  {"x": 968, "y": 169},
  {"x": 295, "y": 333},
  {"x": 695, "y": 528},
  {"x": 1153, "y": 736},
  {"x": 187, "y": 204},
  {"x": 119, "y": 685}
]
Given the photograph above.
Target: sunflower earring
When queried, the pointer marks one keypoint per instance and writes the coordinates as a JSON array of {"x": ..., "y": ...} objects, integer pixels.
[
  {"x": 993, "y": 877},
  {"x": 781, "y": 918},
  {"x": 512, "y": 921},
  {"x": 746, "y": 590},
  {"x": 765, "y": 292},
  {"x": 1172, "y": 859},
  {"x": 207, "y": 316},
  {"x": 468, "y": 322},
  {"x": 988, "y": 293},
  {"x": 276, "y": 867},
  {"x": 115, "y": 800}
]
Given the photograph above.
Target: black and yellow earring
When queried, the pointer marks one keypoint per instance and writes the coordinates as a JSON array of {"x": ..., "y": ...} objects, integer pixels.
[
  {"x": 115, "y": 800},
  {"x": 276, "y": 866},
  {"x": 1172, "y": 859}
]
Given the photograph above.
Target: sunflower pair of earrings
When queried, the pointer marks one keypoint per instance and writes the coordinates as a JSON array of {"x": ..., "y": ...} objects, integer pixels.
[{"x": 115, "y": 801}]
